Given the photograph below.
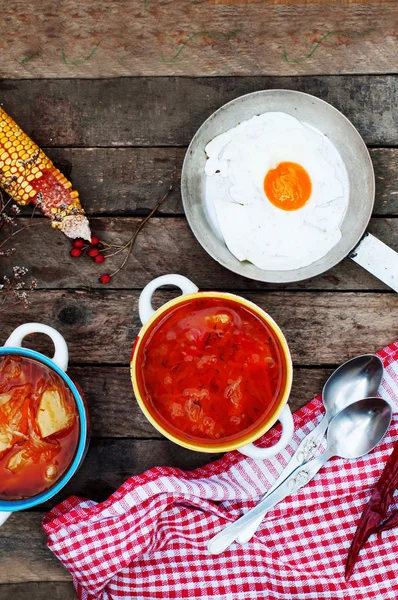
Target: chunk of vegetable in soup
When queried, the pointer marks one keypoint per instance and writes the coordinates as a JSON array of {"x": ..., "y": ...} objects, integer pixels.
[
  {"x": 39, "y": 427},
  {"x": 211, "y": 369}
]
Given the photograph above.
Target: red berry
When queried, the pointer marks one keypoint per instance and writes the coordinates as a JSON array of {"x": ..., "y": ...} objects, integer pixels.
[
  {"x": 105, "y": 278},
  {"x": 93, "y": 252},
  {"x": 75, "y": 252},
  {"x": 99, "y": 258},
  {"x": 78, "y": 243},
  {"x": 94, "y": 240}
]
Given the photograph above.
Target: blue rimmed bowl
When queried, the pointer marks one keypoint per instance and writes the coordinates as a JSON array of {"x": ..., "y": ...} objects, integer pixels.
[{"x": 59, "y": 364}]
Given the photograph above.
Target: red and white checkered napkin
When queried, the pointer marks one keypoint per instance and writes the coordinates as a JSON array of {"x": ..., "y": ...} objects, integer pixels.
[{"x": 148, "y": 540}]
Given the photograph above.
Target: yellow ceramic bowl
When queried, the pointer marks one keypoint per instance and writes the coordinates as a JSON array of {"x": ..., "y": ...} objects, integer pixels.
[{"x": 150, "y": 318}]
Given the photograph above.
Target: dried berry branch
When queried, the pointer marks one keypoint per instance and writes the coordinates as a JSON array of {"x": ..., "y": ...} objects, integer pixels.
[
  {"x": 99, "y": 250},
  {"x": 13, "y": 287}
]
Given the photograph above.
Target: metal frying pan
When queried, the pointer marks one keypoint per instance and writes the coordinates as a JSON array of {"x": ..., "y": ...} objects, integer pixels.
[{"x": 363, "y": 248}]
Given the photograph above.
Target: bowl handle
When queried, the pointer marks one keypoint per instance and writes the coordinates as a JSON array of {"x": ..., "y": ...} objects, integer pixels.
[
  {"x": 145, "y": 302},
  {"x": 61, "y": 354},
  {"x": 286, "y": 420},
  {"x": 3, "y": 517}
]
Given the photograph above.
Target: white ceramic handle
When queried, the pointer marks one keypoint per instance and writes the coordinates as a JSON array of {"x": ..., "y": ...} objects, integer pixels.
[
  {"x": 286, "y": 420},
  {"x": 145, "y": 302},
  {"x": 61, "y": 354},
  {"x": 3, "y": 517}
]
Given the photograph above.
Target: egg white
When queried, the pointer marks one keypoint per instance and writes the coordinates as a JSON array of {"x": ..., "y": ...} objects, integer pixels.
[{"x": 251, "y": 226}]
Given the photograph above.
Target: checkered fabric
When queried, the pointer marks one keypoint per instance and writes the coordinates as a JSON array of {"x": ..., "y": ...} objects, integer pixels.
[{"x": 148, "y": 540}]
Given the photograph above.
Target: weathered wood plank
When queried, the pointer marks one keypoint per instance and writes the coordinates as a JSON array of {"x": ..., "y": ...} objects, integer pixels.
[
  {"x": 167, "y": 111},
  {"x": 56, "y": 590},
  {"x": 322, "y": 328},
  {"x": 129, "y": 181},
  {"x": 24, "y": 554},
  {"x": 166, "y": 245},
  {"x": 115, "y": 413},
  {"x": 229, "y": 37},
  {"x": 109, "y": 462}
]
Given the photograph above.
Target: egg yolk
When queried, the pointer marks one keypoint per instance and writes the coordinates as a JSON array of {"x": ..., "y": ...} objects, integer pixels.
[{"x": 288, "y": 186}]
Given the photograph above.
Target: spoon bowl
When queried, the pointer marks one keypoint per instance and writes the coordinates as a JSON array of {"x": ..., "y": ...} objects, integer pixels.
[
  {"x": 359, "y": 427},
  {"x": 357, "y": 378}
]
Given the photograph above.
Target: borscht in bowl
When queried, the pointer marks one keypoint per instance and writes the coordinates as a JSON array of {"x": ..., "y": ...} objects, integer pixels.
[
  {"x": 39, "y": 427},
  {"x": 44, "y": 422},
  {"x": 210, "y": 370}
]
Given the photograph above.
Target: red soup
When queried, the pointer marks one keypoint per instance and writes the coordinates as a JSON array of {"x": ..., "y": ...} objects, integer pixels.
[
  {"x": 39, "y": 427},
  {"x": 211, "y": 369}
]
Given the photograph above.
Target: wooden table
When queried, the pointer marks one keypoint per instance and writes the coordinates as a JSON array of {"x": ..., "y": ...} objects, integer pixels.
[{"x": 122, "y": 139}]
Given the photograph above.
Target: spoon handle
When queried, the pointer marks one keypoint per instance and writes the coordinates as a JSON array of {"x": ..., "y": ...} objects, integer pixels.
[
  {"x": 300, "y": 477},
  {"x": 304, "y": 452}
]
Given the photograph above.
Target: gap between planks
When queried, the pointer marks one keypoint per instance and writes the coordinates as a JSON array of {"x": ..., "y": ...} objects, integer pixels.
[
  {"x": 123, "y": 181},
  {"x": 166, "y": 246},
  {"x": 97, "y": 112},
  {"x": 100, "y": 326}
]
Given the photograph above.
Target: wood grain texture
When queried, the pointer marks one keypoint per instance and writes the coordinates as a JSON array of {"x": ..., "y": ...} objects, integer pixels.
[
  {"x": 55, "y": 590},
  {"x": 166, "y": 245},
  {"x": 293, "y": 2},
  {"x": 144, "y": 38},
  {"x": 129, "y": 181},
  {"x": 110, "y": 462},
  {"x": 322, "y": 328},
  {"x": 25, "y": 556},
  {"x": 167, "y": 111},
  {"x": 115, "y": 413}
]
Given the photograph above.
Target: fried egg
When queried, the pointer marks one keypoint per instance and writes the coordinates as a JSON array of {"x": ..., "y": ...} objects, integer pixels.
[{"x": 278, "y": 190}]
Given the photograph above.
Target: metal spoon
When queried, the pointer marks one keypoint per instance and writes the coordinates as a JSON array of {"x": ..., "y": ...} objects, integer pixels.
[
  {"x": 352, "y": 433},
  {"x": 357, "y": 378}
]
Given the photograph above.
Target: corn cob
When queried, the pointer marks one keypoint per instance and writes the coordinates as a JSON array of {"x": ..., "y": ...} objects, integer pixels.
[{"x": 29, "y": 176}]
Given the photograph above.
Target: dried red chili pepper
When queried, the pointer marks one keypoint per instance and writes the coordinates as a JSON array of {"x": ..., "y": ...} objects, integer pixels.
[
  {"x": 390, "y": 523},
  {"x": 375, "y": 511}
]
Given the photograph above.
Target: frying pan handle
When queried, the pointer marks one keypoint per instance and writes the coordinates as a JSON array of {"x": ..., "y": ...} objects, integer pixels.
[{"x": 377, "y": 258}]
